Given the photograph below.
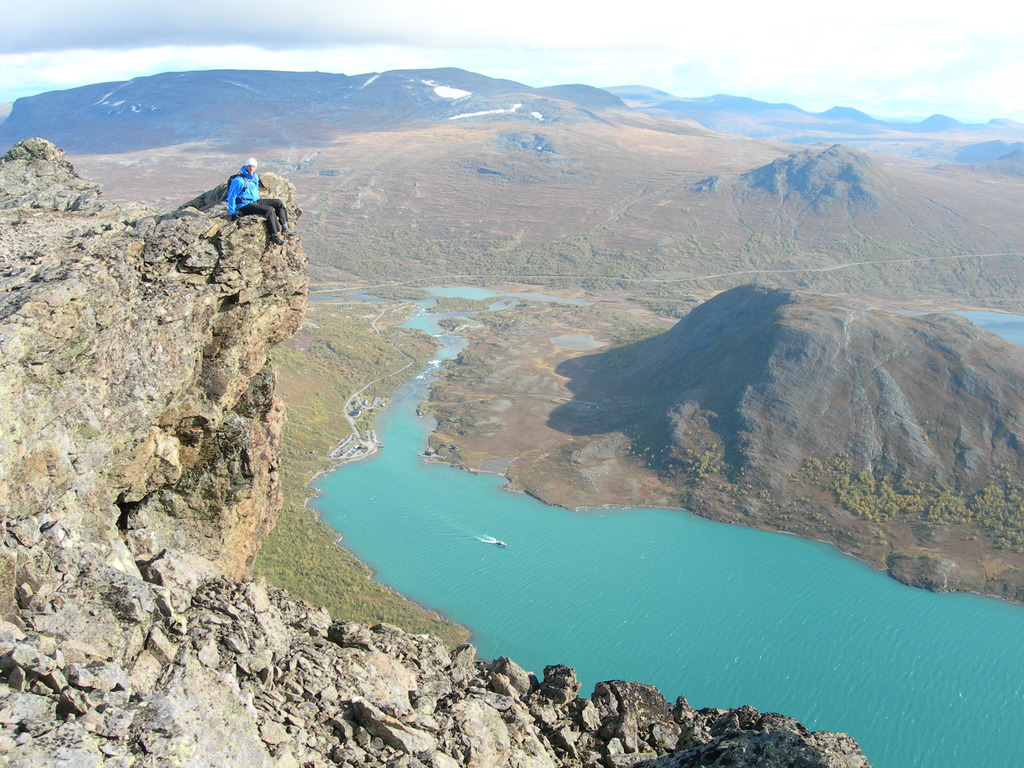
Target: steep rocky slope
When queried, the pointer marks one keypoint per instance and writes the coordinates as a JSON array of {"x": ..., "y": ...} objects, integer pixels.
[
  {"x": 139, "y": 442},
  {"x": 133, "y": 381}
]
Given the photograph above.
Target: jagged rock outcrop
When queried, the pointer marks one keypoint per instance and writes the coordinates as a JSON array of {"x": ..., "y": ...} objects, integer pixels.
[
  {"x": 133, "y": 383},
  {"x": 139, "y": 440}
]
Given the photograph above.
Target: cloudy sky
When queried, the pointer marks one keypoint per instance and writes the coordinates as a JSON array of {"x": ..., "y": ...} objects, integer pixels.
[{"x": 890, "y": 58}]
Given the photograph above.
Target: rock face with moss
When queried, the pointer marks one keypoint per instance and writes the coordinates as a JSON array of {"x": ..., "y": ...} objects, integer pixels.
[{"x": 139, "y": 442}]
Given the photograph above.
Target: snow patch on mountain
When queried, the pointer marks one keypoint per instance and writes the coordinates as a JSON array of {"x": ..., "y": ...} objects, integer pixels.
[
  {"x": 511, "y": 110},
  {"x": 447, "y": 92}
]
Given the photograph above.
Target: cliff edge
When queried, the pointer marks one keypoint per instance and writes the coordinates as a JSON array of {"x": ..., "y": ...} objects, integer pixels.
[
  {"x": 137, "y": 406},
  {"x": 140, "y": 436}
]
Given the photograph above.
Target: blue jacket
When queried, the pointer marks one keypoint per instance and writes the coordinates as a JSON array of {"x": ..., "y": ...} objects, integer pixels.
[{"x": 243, "y": 189}]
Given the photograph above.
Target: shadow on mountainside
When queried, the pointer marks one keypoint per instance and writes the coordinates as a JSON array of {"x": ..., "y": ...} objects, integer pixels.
[{"x": 681, "y": 391}]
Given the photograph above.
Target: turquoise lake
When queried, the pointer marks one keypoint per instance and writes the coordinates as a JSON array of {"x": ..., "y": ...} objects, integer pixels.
[{"x": 721, "y": 614}]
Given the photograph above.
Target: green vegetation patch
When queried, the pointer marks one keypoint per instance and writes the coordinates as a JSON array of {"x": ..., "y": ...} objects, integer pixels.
[
  {"x": 997, "y": 508},
  {"x": 398, "y": 292},
  {"x": 670, "y": 275}
]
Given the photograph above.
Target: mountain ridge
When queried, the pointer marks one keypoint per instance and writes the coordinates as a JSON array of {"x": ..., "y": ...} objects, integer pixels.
[
  {"x": 439, "y": 172},
  {"x": 937, "y": 137},
  {"x": 274, "y": 101},
  {"x": 265, "y": 108}
]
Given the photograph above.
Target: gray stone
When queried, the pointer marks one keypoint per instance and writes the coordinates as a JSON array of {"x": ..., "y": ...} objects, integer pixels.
[
  {"x": 521, "y": 680},
  {"x": 629, "y": 760},
  {"x": 28, "y": 659},
  {"x": 73, "y": 701},
  {"x": 559, "y": 685},
  {"x": 28, "y": 712},
  {"x": 500, "y": 703},
  {"x": 109, "y": 722},
  {"x": 97, "y": 675},
  {"x": 392, "y": 731},
  {"x": 350, "y": 634},
  {"x": 463, "y": 664},
  {"x": 273, "y": 733},
  {"x": 68, "y": 745}
]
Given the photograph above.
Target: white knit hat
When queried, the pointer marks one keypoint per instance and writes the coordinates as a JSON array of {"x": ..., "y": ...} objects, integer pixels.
[{"x": 251, "y": 161}]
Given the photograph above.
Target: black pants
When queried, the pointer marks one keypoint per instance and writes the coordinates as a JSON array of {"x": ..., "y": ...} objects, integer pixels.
[{"x": 270, "y": 209}]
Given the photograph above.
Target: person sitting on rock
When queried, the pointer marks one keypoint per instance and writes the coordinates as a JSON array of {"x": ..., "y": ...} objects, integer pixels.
[{"x": 244, "y": 199}]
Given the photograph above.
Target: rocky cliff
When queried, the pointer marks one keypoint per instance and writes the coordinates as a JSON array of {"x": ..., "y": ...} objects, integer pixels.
[{"x": 139, "y": 440}]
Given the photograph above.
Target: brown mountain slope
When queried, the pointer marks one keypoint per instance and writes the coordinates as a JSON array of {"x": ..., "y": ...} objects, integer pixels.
[
  {"x": 897, "y": 437},
  {"x": 775, "y": 377},
  {"x": 661, "y": 205},
  {"x": 634, "y": 186},
  {"x": 840, "y": 198},
  {"x": 1010, "y": 164}
]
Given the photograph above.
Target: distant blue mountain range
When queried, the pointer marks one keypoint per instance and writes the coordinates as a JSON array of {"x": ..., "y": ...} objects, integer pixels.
[
  {"x": 264, "y": 108},
  {"x": 250, "y": 109}
]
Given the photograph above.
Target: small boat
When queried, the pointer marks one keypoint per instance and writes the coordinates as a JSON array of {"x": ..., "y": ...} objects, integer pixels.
[{"x": 494, "y": 541}]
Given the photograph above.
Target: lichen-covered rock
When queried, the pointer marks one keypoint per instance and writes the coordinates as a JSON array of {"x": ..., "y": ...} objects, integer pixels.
[
  {"x": 746, "y": 738},
  {"x": 35, "y": 175},
  {"x": 132, "y": 380}
]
